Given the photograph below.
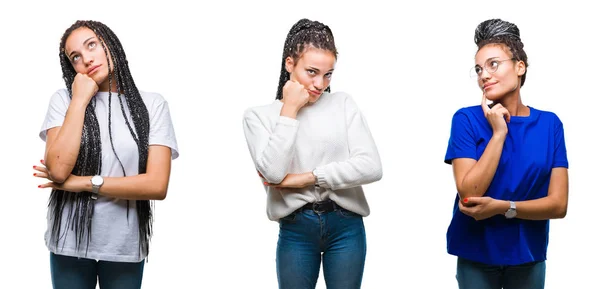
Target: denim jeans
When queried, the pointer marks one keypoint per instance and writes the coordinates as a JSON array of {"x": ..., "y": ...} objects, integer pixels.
[
  {"x": 306, "y": 237},
  {"x": 78, "y": 273},
  {"x": 474, "y": 275}
]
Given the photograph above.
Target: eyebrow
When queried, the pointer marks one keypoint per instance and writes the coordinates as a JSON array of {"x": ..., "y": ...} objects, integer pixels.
[
  {"x": 84, "y": 42},
  {"x": 318, "y": 70},
  {"x": 488, "y": 60}
]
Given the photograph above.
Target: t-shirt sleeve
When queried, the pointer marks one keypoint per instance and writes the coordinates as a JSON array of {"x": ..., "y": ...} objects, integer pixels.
[
  {"x": 462, "y": 142},
  {"x": 161, "y": 128},
  {"x": 57, "y": 110},
  {"x": 560, "y": 150}
]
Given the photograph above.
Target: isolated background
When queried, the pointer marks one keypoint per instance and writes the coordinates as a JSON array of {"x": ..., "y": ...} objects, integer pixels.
[{"x": 406, "y": 65}]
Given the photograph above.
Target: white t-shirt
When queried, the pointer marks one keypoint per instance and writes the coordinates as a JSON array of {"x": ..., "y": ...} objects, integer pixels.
[{"x": 114, "y": 233}]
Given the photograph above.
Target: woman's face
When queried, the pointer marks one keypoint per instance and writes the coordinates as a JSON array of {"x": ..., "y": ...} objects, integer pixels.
[
  {"x": 505, "y": 78},
  {"x": 87, "y": 56},
  {"x": 313, "y": 69}
]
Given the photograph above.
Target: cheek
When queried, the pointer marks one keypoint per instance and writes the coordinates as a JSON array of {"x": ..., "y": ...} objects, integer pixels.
[{"x": 303, "y": 78}]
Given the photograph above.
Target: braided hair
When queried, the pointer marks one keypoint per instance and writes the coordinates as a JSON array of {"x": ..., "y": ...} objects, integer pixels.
[
  {"x": 89, "y": 160},
  {"x": 497, "y": 31},
  {"x": 304, "y": 34}
]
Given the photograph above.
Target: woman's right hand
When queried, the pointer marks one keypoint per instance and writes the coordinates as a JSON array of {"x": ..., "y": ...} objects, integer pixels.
[
  {"x": 295, "y": 95},
  {"x": 497, "y": 116},
  {"x": 83, "y": 88}
]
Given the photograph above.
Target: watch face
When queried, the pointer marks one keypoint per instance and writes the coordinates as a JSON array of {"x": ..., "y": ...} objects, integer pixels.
[
  {"x": 511, "y": 213},
  {"x": 97, "y": 180}
]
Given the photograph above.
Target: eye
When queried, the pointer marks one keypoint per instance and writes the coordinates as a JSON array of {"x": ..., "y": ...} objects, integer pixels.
[
  {"x": 493, "y": 64},
  {"x": 75, "y": 58},
  {"x": 92, "y": 44},
  {"x": 477, "y": 69},
  {"x": 311, "y": 72},
  {"x": 328, "y": 75}
]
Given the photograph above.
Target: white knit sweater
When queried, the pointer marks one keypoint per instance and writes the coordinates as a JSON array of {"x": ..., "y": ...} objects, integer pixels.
[{"x": 331, "y": 136}]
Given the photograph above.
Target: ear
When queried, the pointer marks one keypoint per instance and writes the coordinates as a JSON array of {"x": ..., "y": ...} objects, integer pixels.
[
  {"x": 289, "y": 64},
  {"x": 521, "y": 69}
]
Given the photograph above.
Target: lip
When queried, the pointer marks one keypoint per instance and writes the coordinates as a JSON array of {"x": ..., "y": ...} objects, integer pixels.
[
  {"x": 488, "y": 85},
  {"x": 315, "y": 92},
  {"x": 93, "y": 69}
]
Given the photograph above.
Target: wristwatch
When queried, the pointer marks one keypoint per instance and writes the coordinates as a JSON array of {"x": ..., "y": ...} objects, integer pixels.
[
  {"x": 316, "y": 178},
  {"x": 512, "y": 211},
  {"x": 97, "y": 182}
]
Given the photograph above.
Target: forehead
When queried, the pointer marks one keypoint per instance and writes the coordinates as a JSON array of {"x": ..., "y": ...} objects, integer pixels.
[
  {"x": 319, "y": 58},
  {"x": 77, "y": 37},
  {"x": 491, "y": 51}
]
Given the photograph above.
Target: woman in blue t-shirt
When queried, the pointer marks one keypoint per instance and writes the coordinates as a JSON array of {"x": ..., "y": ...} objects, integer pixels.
[{"x": 510, "y": 167}]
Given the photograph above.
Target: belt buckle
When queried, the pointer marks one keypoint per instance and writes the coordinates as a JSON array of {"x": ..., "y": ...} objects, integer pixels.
[{"x": 315, "y": 207}]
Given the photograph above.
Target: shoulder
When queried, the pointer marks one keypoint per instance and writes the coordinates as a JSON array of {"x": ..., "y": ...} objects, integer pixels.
[
  {"x": 61, "y": 95},
  {"x": 468, "y": 113},
  {"x": 152, "y": 99},
  {"x": 266, "y": 110},
  {"x": 545, "y": 114},
  {"x": 545, "y": 117},
  {"x": 155, "y": 103}
]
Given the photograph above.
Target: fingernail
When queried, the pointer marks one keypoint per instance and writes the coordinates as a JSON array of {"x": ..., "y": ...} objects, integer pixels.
[
  {"x": 34, "y": 174},
  {"x": 39, "y": 186},
  {"x": 466, "y": 200},
  {"x": 265, "y": 183},
  {"x": 34, "y": 167},
  {"x": 41, "y": 161}
]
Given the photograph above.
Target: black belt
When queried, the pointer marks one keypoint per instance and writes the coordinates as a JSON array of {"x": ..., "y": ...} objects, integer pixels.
[{"x": 321, "y": 207}]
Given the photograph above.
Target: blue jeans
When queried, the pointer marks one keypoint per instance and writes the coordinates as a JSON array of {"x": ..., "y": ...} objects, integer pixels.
[
  {"x": 306, "y": 237},
  {"x": 474, "y": 275},
  {"x": 75, "y": 273}
]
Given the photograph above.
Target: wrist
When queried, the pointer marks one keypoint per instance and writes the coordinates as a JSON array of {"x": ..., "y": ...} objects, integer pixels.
[
  {"x": 502, "y": 206},
  {"x": 78, "y": 104},
  {"x": 289, "y": 110},
  {"x": 310, "y": 179},
  {"x": 500, "y": 135},
  {"x": 83, "y": 184}
]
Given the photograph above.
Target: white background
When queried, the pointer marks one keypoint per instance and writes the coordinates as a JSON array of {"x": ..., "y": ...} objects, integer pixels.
[{"x": 407, "y": 68}]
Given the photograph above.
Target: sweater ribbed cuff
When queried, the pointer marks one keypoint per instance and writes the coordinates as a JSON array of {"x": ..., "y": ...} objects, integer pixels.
[
  {"x": 321, "y": 180},
  {"x": 288, "y": 121}
]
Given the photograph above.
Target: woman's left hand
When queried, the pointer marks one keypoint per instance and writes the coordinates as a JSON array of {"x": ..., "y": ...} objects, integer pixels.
[
  {"x": 481, "y": 208},
  {"x": 73, "y": 183}
]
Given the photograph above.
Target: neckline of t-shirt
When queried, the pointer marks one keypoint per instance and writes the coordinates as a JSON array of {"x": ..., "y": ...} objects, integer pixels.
[
  {"x": 532, "y": 115},
  {"x": 105, "y": 93}
]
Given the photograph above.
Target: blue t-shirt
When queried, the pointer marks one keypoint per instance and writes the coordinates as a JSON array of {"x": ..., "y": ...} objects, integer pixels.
[{"x": 534, "y": 145}]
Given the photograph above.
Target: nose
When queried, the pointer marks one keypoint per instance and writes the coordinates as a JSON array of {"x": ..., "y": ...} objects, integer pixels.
[
  {"x": 87, "y": 59},
  {"x": 318, "y": 83},
  {"x": 485, "y": 75}
]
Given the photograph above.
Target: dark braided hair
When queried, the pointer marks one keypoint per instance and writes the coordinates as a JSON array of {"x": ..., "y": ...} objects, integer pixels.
[
  {"x": 497, "y": 31},
  {"x": 89, "y": 160},
  {"x": 304, "y": 34}
]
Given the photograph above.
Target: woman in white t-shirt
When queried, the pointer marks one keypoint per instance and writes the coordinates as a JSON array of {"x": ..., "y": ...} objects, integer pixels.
[
  {"x": 313, "y": 150},
  {"x": 108, "y": 154}
]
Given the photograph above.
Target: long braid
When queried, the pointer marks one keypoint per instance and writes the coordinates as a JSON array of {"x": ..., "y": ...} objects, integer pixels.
[
  {"x": 305, "y": 33},
  {"x": 90, "y": 154}
]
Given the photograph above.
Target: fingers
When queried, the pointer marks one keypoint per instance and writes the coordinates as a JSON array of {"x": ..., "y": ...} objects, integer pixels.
[
  {"x": 506, "y": 114},
  {"x": 502, "y": 110},
  {"x": 484, "y": 104},
  {"x": 47, "y": 185}
]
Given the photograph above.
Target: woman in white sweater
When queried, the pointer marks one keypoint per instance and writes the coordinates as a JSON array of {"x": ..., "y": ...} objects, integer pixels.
[{"x": 313, "y": 150}]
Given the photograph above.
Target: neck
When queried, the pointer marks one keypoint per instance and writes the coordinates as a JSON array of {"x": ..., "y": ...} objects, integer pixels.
[
  {"x": 103, "y": 87},
  {"x": 512, "y": 102}
]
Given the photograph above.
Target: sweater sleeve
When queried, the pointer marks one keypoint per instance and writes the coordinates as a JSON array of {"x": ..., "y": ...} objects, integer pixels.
[
  {"x": 363, "y": 166},
  {"x": 272, "y": 149}
]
